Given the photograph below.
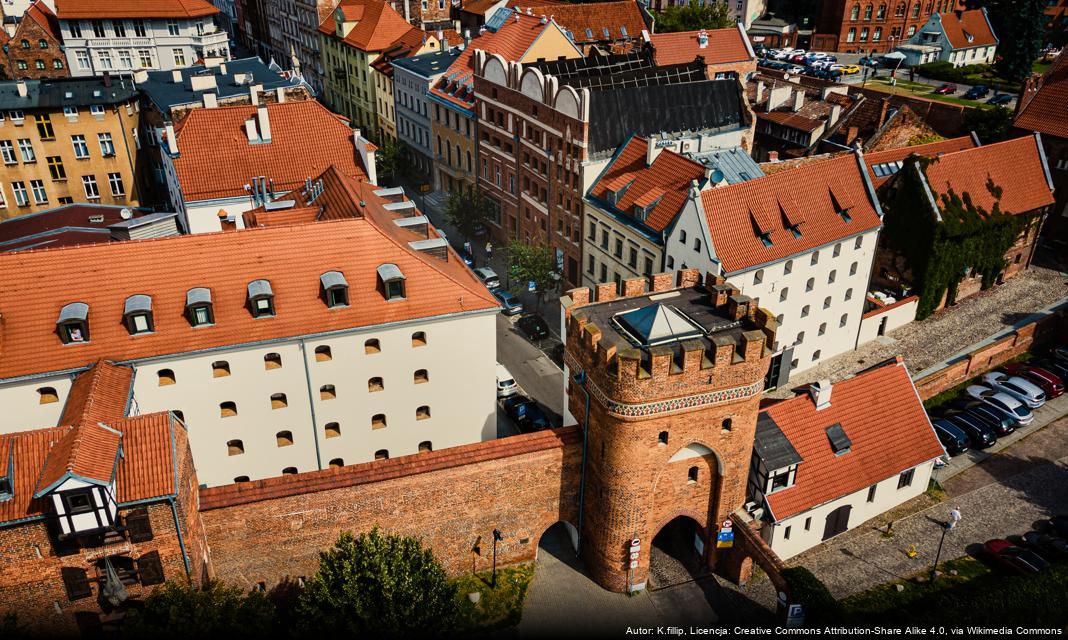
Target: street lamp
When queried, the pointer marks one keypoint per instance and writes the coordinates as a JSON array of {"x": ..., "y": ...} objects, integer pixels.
[
  {"x": 496, "y": 538},
  {"x": 954, "y": 518}
]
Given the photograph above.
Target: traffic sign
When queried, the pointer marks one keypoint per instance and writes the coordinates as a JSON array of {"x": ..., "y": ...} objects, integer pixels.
[
  {"x": 634, "y": 555},
  {"x": 636, "y": 543},
  {"x": 633, "y": 564},
  {"x": 727, "y": 524}
]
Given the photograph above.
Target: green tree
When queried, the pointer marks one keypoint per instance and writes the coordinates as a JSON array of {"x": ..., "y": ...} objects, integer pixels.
[
  {"x": 391, "y": 159},
  {"x": 991, "y": 125},
  {"x": 1020, "y": 26},
  {"x": 468, "y": 211},
  {"x": 694, "y": 16},
  {"x": 177, "y": 610},
  {"x": 378, "y": 585},
  {"x": 532, "y": 263}
]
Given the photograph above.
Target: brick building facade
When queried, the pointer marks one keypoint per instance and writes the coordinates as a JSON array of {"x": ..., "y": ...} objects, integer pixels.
[
  {"x": 873, "y": 26},
  {"x": 34, "y": 49}
]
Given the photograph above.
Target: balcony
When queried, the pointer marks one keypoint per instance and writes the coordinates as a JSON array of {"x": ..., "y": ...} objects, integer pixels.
[
  {"x": 213, "y": 39},
  {"x": 117, "y": 43}
]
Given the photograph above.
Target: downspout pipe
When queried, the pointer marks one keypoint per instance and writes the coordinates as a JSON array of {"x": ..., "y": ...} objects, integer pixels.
[
  {"x": 181, "y": 538},
  {"x": 581, "y": 379}
]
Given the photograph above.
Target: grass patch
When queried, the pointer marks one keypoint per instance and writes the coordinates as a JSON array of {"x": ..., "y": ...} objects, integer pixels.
[
  {"x": 935, "y": 491},
  {"x": 886, "y": 597},
  {"x": 497, "y": 608},
  {"x": 920, "y": 90}
]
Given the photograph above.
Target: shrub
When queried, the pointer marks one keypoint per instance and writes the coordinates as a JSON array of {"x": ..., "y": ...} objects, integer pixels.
[
  {"x": 808, "y": 590},
  {"x": 215, "y": 611}
]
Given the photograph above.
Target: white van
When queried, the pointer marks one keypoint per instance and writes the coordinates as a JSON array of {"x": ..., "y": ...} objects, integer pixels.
[{"x": 506, "y": 385}]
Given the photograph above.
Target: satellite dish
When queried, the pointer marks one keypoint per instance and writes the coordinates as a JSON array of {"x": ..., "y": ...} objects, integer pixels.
[
  {"x": 126, "y": 213},
  {"x": 716, "y": 177}
]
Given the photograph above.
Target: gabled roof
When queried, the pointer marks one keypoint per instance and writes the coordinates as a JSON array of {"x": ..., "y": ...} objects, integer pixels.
[
  {"x": 291, "y": 258},
  {"x": 146, "y": 470},
  {"x": 65, "y": 225},
  {"x": 88, "y": 452},
  {"x": 378, "y": 25},
  {"x": 724, "y": 46},
  {"x": 587, "y": 22},
  {"x": 667, "y": 178},
  {"x": 1045, "y": 110},
  {"x": 929, "y": 150},
  {"x": 1015, "y": 166},
  {"x": 888, "y": 431},
  {"x": 216, "y": 160},
  {"x": 966, "y": 29},
  {"x": 731, "y": 211},
  {"x": 98, "y": 395},
  {"x": 89, "y": 9},
  {"x": 40, "y": 13}
]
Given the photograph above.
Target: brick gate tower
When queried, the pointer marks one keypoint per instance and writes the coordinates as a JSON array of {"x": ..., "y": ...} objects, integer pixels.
[{"x": 668, "y": 384}]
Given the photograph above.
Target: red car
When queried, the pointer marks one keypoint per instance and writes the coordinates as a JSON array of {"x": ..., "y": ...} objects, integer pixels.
[
  {"x": 1049, "y": 382},
  {"x": 1013, "y": 558},
  {"x": 946, "y": 89}
]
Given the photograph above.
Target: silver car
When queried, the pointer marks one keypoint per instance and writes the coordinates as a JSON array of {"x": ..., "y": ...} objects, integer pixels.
[
  {"x": 1017, "y": 387},
  {"x": 1002, "y": 401}
]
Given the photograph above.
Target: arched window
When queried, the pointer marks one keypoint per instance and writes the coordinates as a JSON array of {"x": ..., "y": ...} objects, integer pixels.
[
  {"x": 419, "y": 339},
  {"x": 727, "y": 424},
  {"x": 425, "y": 446},
  {"x": 166, "y": 377},
  {"x": 272, "y": 361},
  {"x": 235, "y": 447},
  {"x": 691, "y": 475},
  {"x": 227, "y": 409},
  {"x": 382, "y": 454},
  {"x": 422, "y": 413},
  {"x": 327, "y": 392},
  {"x": 881, "y": 14},
  {"x": 284, "y": 438},
  {"x": 42, "y": 43},
  {"x": 810, "y": 284},
  {"x": 867, "y": 12},
  {"x": 375, "y": 384},
  {"x": 220, "y": 369},
  {"x": 916, "y": 10},
  {"x": 337, "y": 463},
  {"x": 46, "y": 395},
  {"x": 335, "y": 289},
  {"x": 279, "y": 401},
  {"x": 827, "y": 302},
  {"x": 378, "y": 421},
  {"x": 261, "y": 299},
  {"x": 241, "y": 479},
  {"x": 25, "y": 44},
  {"x": 289, "y": 471},
  {"x": 332, "y": 429},
  {"x": 662, "y": 438},
  {"x": 372, "y": 346},
  {"x": 855, "y": 12},
  {"x": 322, "y": 353},
  {"x": 421, "y": 376}
]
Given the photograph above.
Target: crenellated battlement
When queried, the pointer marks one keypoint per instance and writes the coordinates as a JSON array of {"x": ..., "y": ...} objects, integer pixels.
[{"x": 674, "y": 327}]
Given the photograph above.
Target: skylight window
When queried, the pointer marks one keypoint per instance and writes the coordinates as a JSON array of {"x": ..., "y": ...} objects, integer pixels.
[{"x": 840, "y": 442}]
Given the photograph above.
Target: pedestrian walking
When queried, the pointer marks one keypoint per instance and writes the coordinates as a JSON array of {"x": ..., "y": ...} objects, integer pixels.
[
  {"x": 912, "y": 74},
  {"x": 954, "y": 517},
  {"x": 489, "y": 250}
]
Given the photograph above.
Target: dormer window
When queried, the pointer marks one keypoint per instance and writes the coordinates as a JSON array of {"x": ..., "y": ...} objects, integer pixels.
[
  {"x": 782, "y": 479},
  {"x": 261, "y": 299},
  {"x": 840, "y": 443},
  {"x": 392, "y": 282},
  {"x": 335, "y": 289},
  {"x": 198, "y": 307},
  {"x": 73, "y": 323},
  {"x": 137, "y": 314}
]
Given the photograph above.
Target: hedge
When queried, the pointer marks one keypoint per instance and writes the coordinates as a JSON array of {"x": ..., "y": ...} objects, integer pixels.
[
  {"x": 968, "y": 74},
  {"x": 808, "y": 590}
]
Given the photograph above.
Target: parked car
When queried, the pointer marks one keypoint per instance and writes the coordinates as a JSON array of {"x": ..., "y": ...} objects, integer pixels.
[
  {"x": 981, "y": 434},
  {"x": 1056, "y": 367},
  {"x": 533, "y": 326},
  {"x": 511, "y": 403},
  {"x": 1059, "y": 353},
  {"x": 1013, "y": 558},
  {"x": 1050, "y": 383},
  {"x": 868, "y": 61},
  {"x": 1016, "y": 387},
  {"x": 1000, "y": 98},
  {"x": 1059, "y": 525},
  {"x": 1002, "y": 423},
  {"x": 510, "y": 303},
  {"x": 850, "y": 68},
  {"x": 1002, "y": 401},
  {"x": 951, "y": 436},
  {"x": 947, "y": 89},
  {"x": 466, "y": 257},
  {"x": 797, "y": 57},
  {"x": 506, "y": 384},
  {"x": 1046, "y": 542},
  {"x": 533, "y": 418},
  {"x": 976, "y": 92},
  {"x": 488, "y": 277}
]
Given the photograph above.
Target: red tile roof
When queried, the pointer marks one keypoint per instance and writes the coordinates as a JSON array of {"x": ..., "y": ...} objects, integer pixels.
[
  {"x": 885, "y": 422},
  {"x": 40, "y": 13},
  {"x": 216, "y": 159},
  {"x": 598, "y": 16},
  {"x": 145, "y": 471},
  {"x": 87, "y": 452},
  {"x": 667, "y": 178},
  {"x": 291, "y": 258},
  {"x": 930, "y": 150},
  {"x": 736, "y": 211},
  {"x": 724, "y": 46},
  {"x": 378, "y": 26},
  {"x": 1013, "y": 165},
  {"x": 1045, "y": 110},
  {"x": 98, "y": 395},
  {"x": 65, "y": 225},
  {"x": 88, "y": 9},
  {"x": 511, "y": 42},
  {"x": 968, "y": 29}
]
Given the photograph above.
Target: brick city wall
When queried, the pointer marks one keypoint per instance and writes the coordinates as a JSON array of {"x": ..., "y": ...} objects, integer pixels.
[
  {"x": 1042, "y": 332},
  {"x": 268, "y": 530},
  {"x": 945, "y": 118}
]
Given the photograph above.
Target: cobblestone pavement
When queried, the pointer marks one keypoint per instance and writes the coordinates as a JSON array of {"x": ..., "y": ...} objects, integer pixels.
[
  {"x": 944, "y": 334},
  {"x": 1007, "y": 494}
]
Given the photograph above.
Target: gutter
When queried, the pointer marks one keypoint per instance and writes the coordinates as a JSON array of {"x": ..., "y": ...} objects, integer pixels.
[
  {"x": 181, "y": 539},
  {"x": 311, "y": 404},
  {"x": 581, "y": 378}
]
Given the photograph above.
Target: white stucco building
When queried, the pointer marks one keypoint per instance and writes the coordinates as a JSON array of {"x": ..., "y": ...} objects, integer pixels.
[
  {"x": 108, "y": 37},
  {"x": 959, "y": 37},
  {"x": 801, "y": 241},
  {"x": 295, "y": 346},
  {"x": 829, "y": 460}
]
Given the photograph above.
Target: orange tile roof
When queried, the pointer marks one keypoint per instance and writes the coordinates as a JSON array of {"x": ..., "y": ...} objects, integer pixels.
[
  {"x": 216, "y": 160},
  {"x": 968, "y": 29},
  {"x": 1045, "y": 111},
  {"x": 885, "y": 422},
  {"x": 667, "y": 178},
  {"x": 291, "y": 258},
  {"x": 511, "y": 42},
  {"x": 931, "y": 149},
  {"x": 88, "y": 9},
  {"x": 734, "y": 211},
  {"x": 1016, "y": 166},
  {"x": 87, "y": 452},
  {"x": 724, "y": 46},
  {"x": 596, "y": 17},
  {"x": 98, "y": 395},
  {"x": 40, "y": 13},
  {"x": 378, "y": 25},
  {"x": 145, "y": 471}
]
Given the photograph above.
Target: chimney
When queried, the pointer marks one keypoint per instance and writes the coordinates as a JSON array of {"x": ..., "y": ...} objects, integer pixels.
[
  {"x": 467, "y": 37},
  {"x": 773, "y": 156},
  {"x": 702, "y": 39},
  {"x": 799, "y": 100},
  {"x": 254, "y": 93},
  {"x": 176, "y": 76},
  {"x": 821, "y": 394},
  {"x": 366, "y": 151},
  {"x": 23, "y": 90},
  {"x": 650, "y": 150},
  {"x": 777, "y": 97},
  {"x": 280, "y": 94},
  {"x": 760, "y": 91},
  {"x": 836, "y": 112},
  {"x": 172, "y": 140},
  {"x": 250, "y": 130},
  {"x": 222, "y": 68},
  {"x": 263, "y": 123},
  {"x": 201, "y": 82},
  {"x": 107, "y": 79},
  {"x": 140, "y": 76},
  {"x": 544, "y": 20},
  {"x": 211, "y": 100}
]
